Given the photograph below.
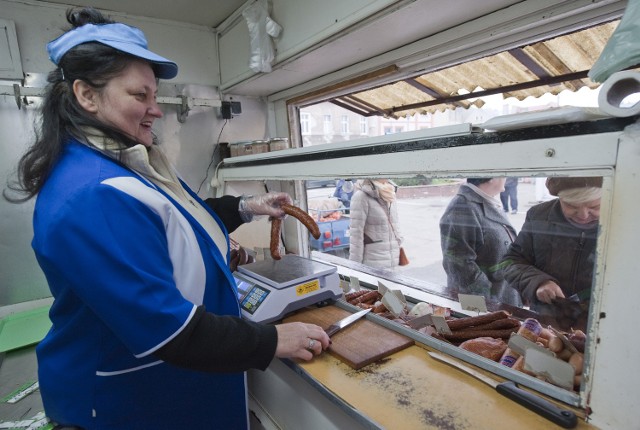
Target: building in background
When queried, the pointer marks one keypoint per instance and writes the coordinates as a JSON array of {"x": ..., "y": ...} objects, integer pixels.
[{"x": 328, "y": 123}]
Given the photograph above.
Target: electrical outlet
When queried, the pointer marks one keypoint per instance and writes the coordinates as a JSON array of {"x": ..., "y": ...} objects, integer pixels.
[
  {"x": 226, "y": 110},
  {"x": 229, "y": 109}
]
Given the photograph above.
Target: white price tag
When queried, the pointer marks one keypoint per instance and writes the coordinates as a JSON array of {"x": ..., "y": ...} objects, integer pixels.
[
  {"x": 440, "y": 324},
  {"x": 382, "y": 288},
  {"x": 344, "y": 285},
  {"x": 521, "y": 345},
  {"x": 556, "y": 371},
  {"x": 472, "y": 302}
]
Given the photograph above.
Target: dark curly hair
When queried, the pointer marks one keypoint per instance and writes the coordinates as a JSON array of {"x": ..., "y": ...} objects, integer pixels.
[{"x": 62, "y": 116}]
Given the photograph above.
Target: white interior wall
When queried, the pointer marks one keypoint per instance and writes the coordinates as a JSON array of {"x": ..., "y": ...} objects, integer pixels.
[{"x": 192, "y": 47}]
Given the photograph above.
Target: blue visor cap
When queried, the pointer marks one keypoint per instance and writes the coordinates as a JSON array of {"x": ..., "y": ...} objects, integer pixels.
[{"x": 124, "y": 38}]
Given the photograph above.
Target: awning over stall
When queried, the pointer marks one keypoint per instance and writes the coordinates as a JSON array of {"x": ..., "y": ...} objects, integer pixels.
[{"x": 549, "y": 66}]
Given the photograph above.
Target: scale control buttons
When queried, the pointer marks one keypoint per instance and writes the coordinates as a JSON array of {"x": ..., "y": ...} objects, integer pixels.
[{"x": 254, "y": 299}]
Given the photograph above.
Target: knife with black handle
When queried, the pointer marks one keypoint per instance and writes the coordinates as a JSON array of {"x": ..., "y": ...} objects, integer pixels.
[{"x": 563, "y": 417}]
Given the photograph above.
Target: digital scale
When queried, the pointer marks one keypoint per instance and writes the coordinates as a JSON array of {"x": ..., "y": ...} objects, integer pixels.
[{"x": 269, "y": 289}]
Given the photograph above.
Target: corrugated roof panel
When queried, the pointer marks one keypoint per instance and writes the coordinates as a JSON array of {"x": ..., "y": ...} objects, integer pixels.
[{"x": 550, "y": 66}]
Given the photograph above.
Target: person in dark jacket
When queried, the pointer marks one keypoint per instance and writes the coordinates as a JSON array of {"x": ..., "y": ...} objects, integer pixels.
[
  {"x": 553, "y": 257},
  {"x": 344, "y": 191},
  {"x": 475, "y": 235},
  {"x": 510, "y": 195}
]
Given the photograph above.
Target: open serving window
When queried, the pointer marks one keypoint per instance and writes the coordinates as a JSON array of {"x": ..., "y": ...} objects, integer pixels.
[{"x": 435, "y": 164}]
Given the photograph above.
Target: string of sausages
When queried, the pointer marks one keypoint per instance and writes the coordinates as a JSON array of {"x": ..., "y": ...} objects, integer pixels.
[
  {"x": 276, "y": 227},
  {"x": 497, "y": 324}
]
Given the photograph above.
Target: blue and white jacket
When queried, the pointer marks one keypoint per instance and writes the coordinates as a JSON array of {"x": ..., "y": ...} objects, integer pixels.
[{"x": 127, "y": 267}]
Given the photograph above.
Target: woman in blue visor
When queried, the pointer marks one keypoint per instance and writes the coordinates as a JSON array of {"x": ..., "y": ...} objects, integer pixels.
[{"x": 147, "y": 331}]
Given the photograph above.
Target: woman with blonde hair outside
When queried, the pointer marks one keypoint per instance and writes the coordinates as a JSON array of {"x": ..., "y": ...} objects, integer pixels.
[{"x": 375, "y": 236}]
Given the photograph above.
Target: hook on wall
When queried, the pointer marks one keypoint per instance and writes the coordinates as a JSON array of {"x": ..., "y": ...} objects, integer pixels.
[{"x": 183, "y": 109}]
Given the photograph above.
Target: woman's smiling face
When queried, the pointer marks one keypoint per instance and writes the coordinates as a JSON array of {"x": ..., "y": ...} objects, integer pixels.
[
  {"x": 128, "y": 102},
  {"x": 585, "y": 214}
]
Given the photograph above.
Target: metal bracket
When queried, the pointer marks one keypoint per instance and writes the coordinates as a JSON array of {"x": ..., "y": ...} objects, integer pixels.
[
  {"x": 184, "y": 103},
  {"x": 16, "y": 94},
  {"x": 183, "y": 109}
]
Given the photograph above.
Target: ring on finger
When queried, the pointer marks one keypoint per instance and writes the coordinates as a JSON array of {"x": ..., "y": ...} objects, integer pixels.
[{"x": 312, "y": 343}]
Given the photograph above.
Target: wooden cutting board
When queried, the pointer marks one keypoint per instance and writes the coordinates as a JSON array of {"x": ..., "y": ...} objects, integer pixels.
[{"x": 362, "y": 343}]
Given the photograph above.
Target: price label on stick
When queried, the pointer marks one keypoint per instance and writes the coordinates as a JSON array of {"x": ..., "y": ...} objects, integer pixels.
[
  {"x": 440, "y": 324},
  {"x": 521, "y": 345},
  {"x": 554, "y": 370},
  {"x": 470, "y": 302}
]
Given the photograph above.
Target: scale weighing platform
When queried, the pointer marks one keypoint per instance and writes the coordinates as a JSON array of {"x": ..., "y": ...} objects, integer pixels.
[{"x": 270, "y": 289}]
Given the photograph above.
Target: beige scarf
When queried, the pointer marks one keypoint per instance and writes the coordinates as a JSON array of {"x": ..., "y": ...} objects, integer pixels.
[
  {"x": 386, "y": 191},
  {"x": 153, "y": 165}
]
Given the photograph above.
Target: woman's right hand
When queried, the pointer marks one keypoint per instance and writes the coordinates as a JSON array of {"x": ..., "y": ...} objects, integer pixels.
[
  {"x": 300, "y": 340},
  {"x": 548, "y": 291}
]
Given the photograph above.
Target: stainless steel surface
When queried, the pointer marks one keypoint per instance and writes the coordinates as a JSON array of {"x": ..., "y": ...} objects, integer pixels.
[
  {"x": 289, "y": 270},
  {"x": 344, "y": 322}
]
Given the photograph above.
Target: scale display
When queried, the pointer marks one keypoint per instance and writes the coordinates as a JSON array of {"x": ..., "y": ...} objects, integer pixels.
[{"x": 269, "y": 289}]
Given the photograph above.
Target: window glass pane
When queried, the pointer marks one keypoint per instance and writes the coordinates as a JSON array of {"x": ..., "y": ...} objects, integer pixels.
[
  {"x": 327, "y": 125},
  {"x": 364, "y": 127},
  {"x": 469, "y": 236},
  {"x": 304, "y": 123},
  {"x": 344, "y": 123}
]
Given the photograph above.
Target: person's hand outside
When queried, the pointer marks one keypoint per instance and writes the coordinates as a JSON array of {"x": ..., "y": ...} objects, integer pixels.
[
  {"x": 267, "y": 204},
  {"x": 300, "y": 340},
  {"x": 548, "y": 291}
]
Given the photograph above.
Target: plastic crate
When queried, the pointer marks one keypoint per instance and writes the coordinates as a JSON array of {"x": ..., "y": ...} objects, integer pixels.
[{"x": 334, "y": 234}]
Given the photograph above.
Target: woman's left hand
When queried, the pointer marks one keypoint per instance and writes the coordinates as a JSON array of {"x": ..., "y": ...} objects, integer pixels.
[{"x": 300, "y": 340}]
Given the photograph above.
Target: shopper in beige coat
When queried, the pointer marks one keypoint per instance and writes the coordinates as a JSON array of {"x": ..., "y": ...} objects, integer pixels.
[{"x": 375, "y": 236}]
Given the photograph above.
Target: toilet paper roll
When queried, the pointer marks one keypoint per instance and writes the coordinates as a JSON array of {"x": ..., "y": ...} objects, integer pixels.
[{"x": 615, "y": 89}]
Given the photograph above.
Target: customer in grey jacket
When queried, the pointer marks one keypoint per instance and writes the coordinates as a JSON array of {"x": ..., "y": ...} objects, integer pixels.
[
  {"x": 374, "y": 234},
  {"x": 475, "y": 235}
]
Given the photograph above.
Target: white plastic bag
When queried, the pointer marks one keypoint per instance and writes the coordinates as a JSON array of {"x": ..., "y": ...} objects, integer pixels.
[
  {"x": 261, "y": 29},
  {"x": 623, "y": 48}
]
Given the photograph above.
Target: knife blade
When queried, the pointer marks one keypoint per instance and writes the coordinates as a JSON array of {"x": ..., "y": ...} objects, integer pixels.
[
  {"x": 339, "y": 325},
  {"x": 563, "y": 417}
]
